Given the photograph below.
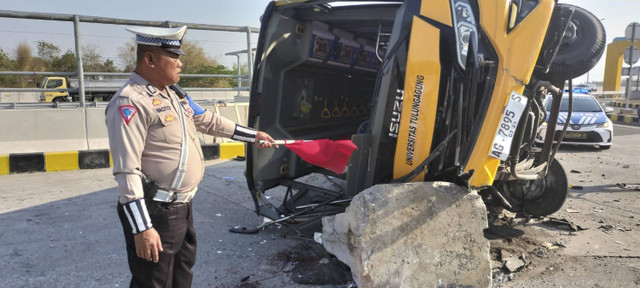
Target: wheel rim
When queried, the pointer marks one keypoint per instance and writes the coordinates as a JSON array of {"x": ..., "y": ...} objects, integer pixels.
[{"x": 537, "y": 198}]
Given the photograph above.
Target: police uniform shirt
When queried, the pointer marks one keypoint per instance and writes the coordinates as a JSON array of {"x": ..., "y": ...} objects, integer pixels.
[{"x": 145, "y": 136}]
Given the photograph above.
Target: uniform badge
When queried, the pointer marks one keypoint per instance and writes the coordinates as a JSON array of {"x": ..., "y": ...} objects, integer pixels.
[
  {"x": 151, "y": 89},
  {"x": 169, "y": 118},
  {"x": 156, "y": 102},
  {"x": 127, "y": 112}
]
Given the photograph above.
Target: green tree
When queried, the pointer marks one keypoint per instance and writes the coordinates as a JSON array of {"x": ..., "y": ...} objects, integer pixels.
[
  {"x": 208, "y": 82},
  {"x": 48, "y": 51},
  {"x": 66, "y": 63},
  {"x": 92, "y": 58},
  {"x": 194, "y": 61},
  {"x": 6, "y": 64},
  {"x": 127, "y": 55},
  {"x": 244, "y": 70},
  {"x": 194, "y": 57},
  {"x": 109, "y": 66}
]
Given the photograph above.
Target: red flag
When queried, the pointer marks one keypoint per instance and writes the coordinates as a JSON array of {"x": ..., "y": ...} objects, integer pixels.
[{"x": 333, "y": 155}]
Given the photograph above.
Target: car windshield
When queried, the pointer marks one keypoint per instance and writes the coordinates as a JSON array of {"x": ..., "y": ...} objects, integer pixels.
[{"x": 580, "y": 104}]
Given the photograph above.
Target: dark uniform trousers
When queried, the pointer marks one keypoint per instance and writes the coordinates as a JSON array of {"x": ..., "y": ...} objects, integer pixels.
[{"x": 174, "y": 223}]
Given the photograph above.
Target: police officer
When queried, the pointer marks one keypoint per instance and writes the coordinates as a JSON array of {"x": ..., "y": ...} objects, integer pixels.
[{"x": 152, "y": 136}]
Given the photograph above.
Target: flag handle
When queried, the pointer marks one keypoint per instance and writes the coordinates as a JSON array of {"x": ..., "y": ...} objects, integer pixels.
[{"x": 282, "y": 142}]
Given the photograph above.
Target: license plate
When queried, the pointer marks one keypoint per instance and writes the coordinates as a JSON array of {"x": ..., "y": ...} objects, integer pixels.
[
  {"x": 507, "y": 128},
  {"x": 575, "y": 135}
]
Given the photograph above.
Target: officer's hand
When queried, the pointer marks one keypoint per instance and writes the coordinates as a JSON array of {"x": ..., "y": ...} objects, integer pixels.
[
  {"x": 266, "y": 140},
  {"x": 148, "y": 245}
]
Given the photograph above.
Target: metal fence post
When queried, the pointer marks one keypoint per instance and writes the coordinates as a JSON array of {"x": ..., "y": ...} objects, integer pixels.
[
  {"x": 249, "y": 56},
  {"x": 239, "y": 74},
  {"x": 76, "y": 34}
]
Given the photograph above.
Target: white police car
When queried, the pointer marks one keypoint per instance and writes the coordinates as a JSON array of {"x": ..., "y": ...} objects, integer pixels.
[{"x": 589, "y": 125}]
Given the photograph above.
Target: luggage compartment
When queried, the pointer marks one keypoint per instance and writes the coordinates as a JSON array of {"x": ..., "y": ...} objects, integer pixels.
[{"x": 316, "y": 79}]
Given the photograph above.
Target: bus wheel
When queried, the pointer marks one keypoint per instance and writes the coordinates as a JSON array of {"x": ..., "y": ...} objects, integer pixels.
[
  {"x": 537, "y": 198},
  {"x": 582, "y": 46}
]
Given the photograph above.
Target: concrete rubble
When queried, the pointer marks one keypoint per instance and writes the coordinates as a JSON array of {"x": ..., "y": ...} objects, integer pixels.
[{"x": 426, "y": 234}]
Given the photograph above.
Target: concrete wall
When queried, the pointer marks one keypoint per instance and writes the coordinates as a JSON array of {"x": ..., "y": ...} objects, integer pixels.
[
  {"x": 50, "y": 130},
  {"x": 19, "y": 97},
  {"x": 43, "y": 130}
]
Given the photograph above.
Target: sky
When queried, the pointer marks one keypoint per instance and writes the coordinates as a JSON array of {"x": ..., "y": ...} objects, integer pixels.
[{"x": 616, "y": 15}]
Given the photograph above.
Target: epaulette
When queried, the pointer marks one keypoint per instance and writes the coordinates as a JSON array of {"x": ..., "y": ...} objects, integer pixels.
[{"x": 135, "y": 91}]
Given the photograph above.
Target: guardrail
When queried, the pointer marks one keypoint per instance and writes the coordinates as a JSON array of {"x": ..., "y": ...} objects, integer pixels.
[
  {"x": 100, "y": 89},
  {"x": 607, "y": 94},
  {"x": 77, "y": 19},
  {"x": 19, "y": 106},
  {"x": 92, "y": 104}
]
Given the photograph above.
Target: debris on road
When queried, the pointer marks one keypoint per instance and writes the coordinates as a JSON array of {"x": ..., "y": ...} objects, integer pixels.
[
  {"x": 626, "y": 186},
  {"x": 608, "y": 229},
  {"x": 554, "y": 246},
  {"x": 566, "y": 224},
  {"x": 514, "y": 264}
]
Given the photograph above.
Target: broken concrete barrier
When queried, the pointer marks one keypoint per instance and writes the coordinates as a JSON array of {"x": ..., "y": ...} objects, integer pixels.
[{"x": 427, "y": 234}]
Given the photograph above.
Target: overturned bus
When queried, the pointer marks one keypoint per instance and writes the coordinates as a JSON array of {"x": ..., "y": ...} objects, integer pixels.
[{"x": 438, "y": 90}]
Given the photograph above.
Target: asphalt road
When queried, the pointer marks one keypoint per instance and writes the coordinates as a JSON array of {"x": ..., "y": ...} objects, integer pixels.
[
  {"x": 603, "y": 206},
  {"x": 625, "y": 130},
  {"x": 60, "y": 229}
]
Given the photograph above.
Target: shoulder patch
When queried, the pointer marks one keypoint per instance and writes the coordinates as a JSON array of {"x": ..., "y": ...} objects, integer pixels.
[{"x": 127, "y": 112}]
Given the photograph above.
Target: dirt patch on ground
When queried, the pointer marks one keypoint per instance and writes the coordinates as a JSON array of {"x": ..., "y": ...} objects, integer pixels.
[{"x": 309, "y": 263}]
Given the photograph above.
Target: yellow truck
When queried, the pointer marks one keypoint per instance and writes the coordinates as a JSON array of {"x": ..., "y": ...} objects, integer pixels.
[
  {"x": 95, "y": 89},
  {"x": 431, "y": 90}
]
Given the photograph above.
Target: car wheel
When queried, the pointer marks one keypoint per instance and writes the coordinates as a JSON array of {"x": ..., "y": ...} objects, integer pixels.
[
  {"x": 581, "y": 47},
  {"x": 603, "y": 147},
  {"x": 536, "y": 198}
]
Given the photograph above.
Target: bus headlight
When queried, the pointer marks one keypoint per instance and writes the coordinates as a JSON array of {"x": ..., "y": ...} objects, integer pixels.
[{"x": 465, "y": 28}]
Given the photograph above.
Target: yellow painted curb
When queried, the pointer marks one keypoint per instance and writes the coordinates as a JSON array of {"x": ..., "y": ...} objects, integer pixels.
[
  {"x": 61, "y": 161},
  {"x": 4, "y": 165},
  {"x": 230, "y": 150}
]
